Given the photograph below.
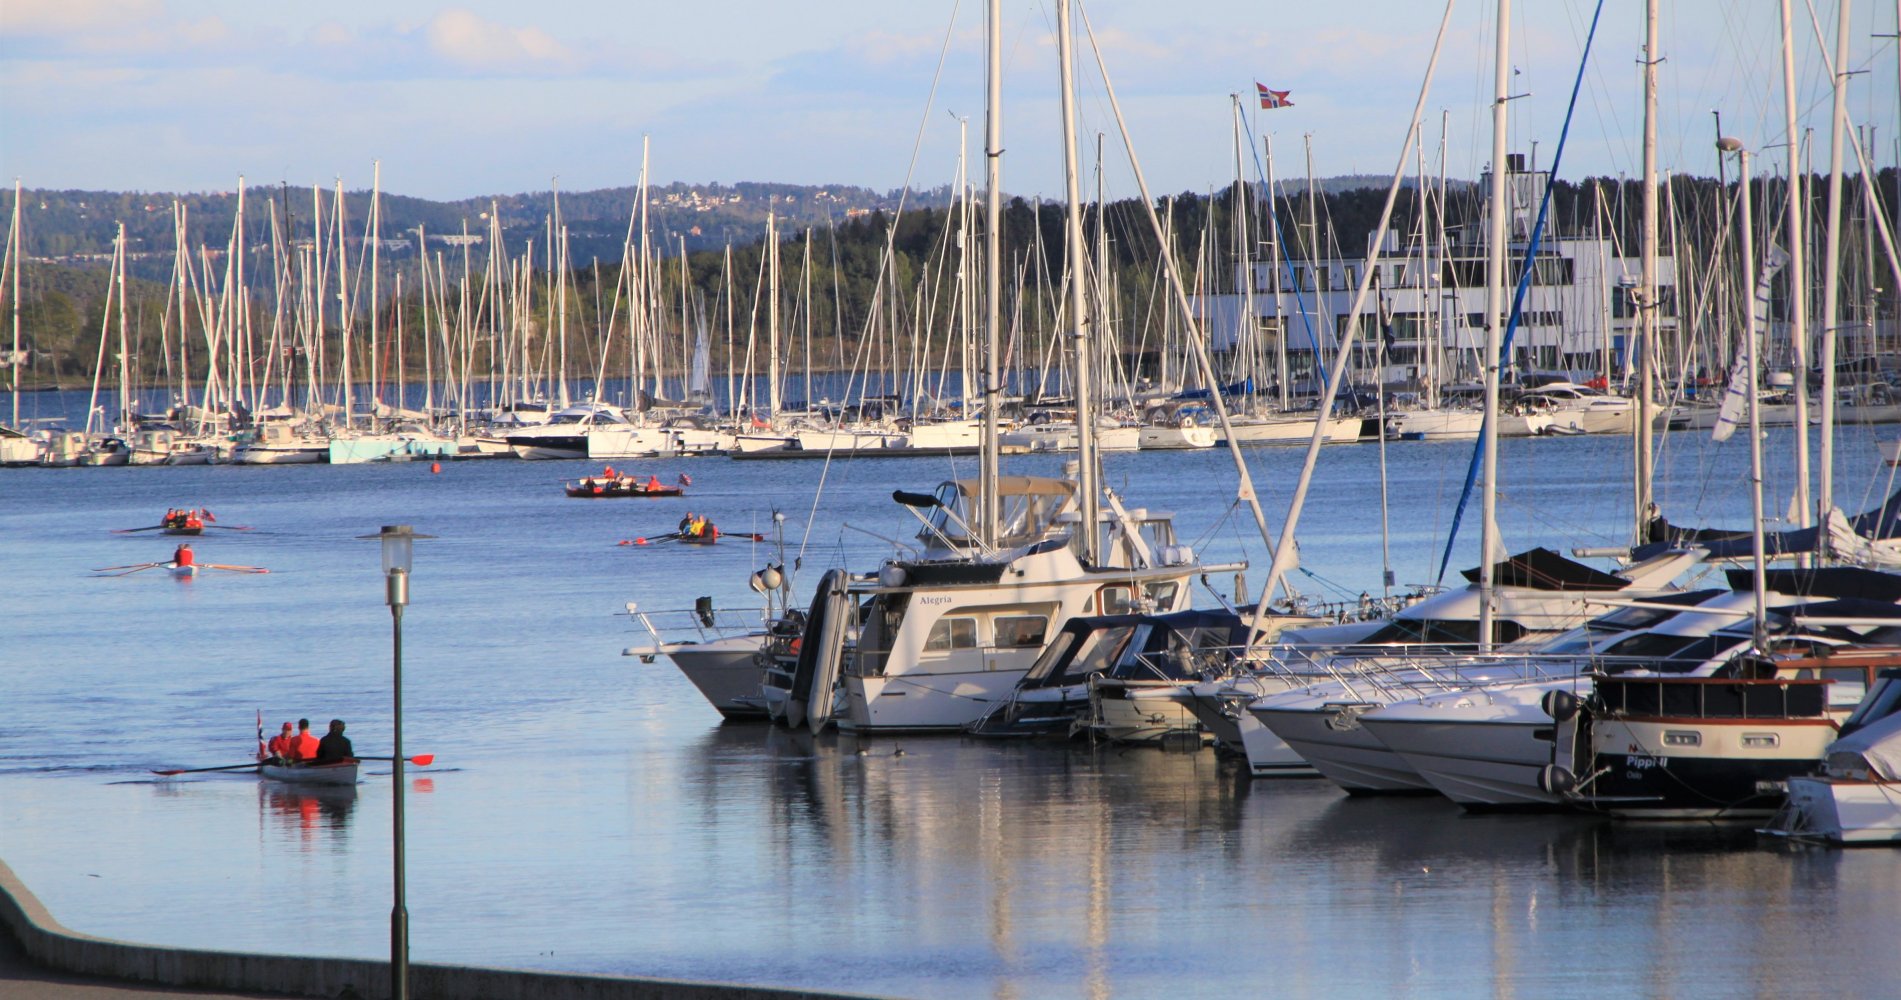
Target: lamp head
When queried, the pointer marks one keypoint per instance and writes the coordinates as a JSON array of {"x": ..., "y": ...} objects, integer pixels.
[
  {"x": 1730, "y": 144},
  {"x": 399, "y": 542}
]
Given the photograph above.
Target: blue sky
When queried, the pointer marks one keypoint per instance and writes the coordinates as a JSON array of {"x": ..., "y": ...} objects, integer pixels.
[{"x": 489, "y": 97}]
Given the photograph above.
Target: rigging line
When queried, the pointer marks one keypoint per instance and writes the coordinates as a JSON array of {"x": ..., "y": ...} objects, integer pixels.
[
  {"x": 1488, "y": 426},
  {"x": 1280, "y": 240}
]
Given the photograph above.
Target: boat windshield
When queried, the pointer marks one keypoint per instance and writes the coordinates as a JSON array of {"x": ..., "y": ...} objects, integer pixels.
[{"x": 1029, "y": 510}]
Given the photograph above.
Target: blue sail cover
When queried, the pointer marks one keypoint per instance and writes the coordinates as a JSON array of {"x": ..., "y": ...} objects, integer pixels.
[{"x": 1245, "y": 387}]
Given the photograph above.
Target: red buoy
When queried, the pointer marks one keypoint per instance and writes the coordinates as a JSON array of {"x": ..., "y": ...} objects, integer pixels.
[{"x": 435, "y": 468}]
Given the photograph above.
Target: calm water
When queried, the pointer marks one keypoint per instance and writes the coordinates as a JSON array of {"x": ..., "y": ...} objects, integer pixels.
[{"x": 588, "y": 812}]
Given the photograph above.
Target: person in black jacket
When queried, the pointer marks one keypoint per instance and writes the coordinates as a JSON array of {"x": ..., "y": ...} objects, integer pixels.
[{"x": 334, "y": 746}]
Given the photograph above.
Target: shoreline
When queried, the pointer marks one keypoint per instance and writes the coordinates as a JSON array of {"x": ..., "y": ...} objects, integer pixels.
[{"x": 50, "y": 945}]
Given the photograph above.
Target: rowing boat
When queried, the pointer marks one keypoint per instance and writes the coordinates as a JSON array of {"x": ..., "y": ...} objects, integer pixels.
[
  {"x": 342, "y": 773},
  {"x": 605, "y": 488}
]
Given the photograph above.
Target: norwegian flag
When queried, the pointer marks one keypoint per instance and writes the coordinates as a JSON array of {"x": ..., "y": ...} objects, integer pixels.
[{"x": 1271, "y": 99}]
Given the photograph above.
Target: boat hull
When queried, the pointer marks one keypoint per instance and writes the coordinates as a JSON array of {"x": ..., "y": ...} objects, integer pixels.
[
  {"x": 1332, "y": 740},
  {"x": 1841, "y": 811},
  {"x": 310, "y": 774},
  {"x": 726, "y": 672}
]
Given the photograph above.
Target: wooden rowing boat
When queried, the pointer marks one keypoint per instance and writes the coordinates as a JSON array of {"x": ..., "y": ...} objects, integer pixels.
[{"x": 343, "y": 773}]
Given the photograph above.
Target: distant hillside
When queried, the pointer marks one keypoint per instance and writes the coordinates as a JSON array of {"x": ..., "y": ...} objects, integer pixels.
[{"x": 72, "y": 226}]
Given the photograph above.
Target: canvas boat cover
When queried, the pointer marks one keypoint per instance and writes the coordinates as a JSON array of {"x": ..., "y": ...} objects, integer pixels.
[
  {"x": 1543, "y": 569},
  {"x": 1881, "y": 524},
  {"x": 1878, "y": 743},
  {"x": 1839, "y": 582}
]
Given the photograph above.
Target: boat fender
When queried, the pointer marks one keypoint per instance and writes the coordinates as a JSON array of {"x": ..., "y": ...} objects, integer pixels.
[
  {"x": 1560, "y": 705},
  {"x": 891, "y": 575},
  {"x": 1556, "y": 780}
]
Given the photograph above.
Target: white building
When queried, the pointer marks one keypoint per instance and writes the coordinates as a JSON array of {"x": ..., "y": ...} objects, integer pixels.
[{"x": 1577, "y": 316}]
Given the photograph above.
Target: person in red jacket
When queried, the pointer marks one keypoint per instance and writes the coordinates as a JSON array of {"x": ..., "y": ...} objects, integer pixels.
[
  {"x": 304, "y": 745},
  {"x": 181, "y": 556},
  {"x": 280, "y": 745}
]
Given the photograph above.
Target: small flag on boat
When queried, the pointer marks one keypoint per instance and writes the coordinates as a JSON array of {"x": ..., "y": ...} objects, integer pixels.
[{"x": 1271, "y": 99}]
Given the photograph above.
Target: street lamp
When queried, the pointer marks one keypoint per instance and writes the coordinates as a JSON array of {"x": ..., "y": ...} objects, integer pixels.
[{"x": 399, "y": 542}]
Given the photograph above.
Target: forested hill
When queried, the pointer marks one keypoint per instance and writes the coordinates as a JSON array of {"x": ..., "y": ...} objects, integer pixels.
[{"x": 70, "y": 226}]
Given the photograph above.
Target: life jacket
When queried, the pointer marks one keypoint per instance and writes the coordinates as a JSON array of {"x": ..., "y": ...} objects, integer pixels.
[
  {"x": 303, "y": 746},
  {"x": 182, "y": 556}
]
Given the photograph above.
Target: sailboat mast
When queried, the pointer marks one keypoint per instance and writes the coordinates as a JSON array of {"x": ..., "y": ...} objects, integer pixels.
[
  {"x": 772, "y": 315},
  {"x": 1647, "y": 308},
  {"x": 1751, "y": 346},
  {"x": 1831, "y": 264},
  {"x": 1494, "y": 328},
  {"x": 13, "y": 356},
  {"x": 376, "y": 259},
  {"x": 1798, "y": 278},
  {"x": 1073, "y": 252},
  {"x": 991, "y": 512}
]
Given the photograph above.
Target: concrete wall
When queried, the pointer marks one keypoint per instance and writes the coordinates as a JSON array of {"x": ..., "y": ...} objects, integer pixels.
[{"x": 47, "y": 942}]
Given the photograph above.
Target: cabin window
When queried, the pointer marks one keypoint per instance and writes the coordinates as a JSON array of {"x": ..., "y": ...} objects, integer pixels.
[
  {"x": 1682, "y": 738},
  {"x": 1761, "y": 741},
  {"x": 952, "y": 633},
  {"x": 1117, "y": 599},
  {"x": 1162, "y": 595},
  {"x": 1025, "y": 630},
  {"x": 1850, "y": 684}
]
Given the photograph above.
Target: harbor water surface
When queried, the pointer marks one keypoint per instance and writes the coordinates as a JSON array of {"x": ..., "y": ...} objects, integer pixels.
[{"x": 588, "y": 811}]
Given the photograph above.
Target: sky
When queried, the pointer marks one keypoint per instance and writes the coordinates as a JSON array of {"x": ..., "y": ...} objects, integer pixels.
[{"x": 459, "y": 100}]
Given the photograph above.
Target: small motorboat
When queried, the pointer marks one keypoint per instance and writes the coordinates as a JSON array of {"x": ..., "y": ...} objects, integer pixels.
[{"x": 340, "y": 773}]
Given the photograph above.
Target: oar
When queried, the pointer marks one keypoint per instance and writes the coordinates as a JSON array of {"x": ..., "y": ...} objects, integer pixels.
[
  {"x": 129, "y": 570},
  {"x": 199, "y": 770},
  {"x": 144, "y": 565},
  {"x": 668, "y": 537},
  {"x": 128, "y": 531},
  {"x": 226, "y": 527},
  {"x": 420, "y": 760},
  {"x": 235, "y": 569}
]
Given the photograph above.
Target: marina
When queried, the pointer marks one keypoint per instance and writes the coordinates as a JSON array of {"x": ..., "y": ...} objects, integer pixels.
[
  {"x": 591, "y": 813},
  {"x": 1153, "y": 597}
]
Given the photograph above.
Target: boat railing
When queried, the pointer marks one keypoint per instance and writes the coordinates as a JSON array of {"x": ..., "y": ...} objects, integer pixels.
[
  {"x": 700, "y": 624},
  {"x": 1407, "y": 672},
  {"x": 1714, "y": 697}
]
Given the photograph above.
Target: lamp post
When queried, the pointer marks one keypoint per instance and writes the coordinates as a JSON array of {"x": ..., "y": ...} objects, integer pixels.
[{"x": 398, "y": 548}]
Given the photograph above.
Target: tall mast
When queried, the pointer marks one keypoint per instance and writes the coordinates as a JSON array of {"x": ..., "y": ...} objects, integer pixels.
[
  {"x": 376, "y": 257},
  {"x": 991, "y": 512},
  {"x": 1752, "y": 351},
  {"x": 1831, "y": 263},
  {"x": 13, "y": 356},
  {"x": 1798, "y": 278},
  {"x": 772, "y": 314},
  {"x": 1494, "y": 327},
  {"x": 125, "y": 348},
  {"x": 1647, "y": 308},
  {"x": 1073, "y": 252}
]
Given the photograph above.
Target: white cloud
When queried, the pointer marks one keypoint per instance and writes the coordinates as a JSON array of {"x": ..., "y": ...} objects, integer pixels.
[
  {"x": 461, "y": 38},
  {"x": 65, "y": 17}
]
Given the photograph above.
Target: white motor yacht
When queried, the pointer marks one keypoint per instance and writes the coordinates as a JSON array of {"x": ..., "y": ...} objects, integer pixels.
[
  {"x": 947, "y": 634},
  {"x": 1538, "y": 595}
]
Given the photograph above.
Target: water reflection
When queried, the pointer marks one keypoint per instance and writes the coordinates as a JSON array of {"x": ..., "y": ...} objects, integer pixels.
[{"x": 314, "y": 815}]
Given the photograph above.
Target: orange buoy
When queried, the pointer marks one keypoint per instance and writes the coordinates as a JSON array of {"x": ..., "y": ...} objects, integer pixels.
[{"x": 435, "y": 468}]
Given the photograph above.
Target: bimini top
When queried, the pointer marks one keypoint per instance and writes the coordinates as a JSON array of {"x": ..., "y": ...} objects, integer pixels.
[{"x": 1019, "y": 486}]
